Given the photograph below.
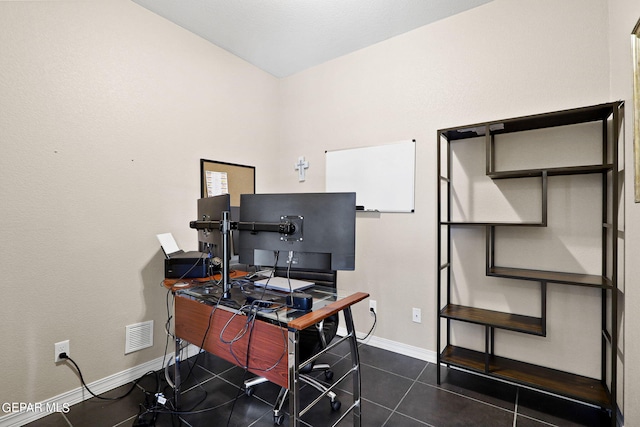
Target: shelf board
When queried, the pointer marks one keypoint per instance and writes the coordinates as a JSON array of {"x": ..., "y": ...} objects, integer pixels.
[
  {"x": 537, "y": 121},
  {"x": 497, "y": 319},
  {"x": 551, "y": 276},
  {"x": 569, "y": 170},
  {"x": 493, "y": 224},
  {"x": 574, "y": 386}
]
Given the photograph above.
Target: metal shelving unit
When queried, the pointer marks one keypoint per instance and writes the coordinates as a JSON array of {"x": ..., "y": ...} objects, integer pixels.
[{"x": 598, "y": 391}]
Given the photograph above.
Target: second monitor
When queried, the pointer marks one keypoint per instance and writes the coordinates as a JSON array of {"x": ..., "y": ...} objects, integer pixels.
[{"x": 324, "y": 235}]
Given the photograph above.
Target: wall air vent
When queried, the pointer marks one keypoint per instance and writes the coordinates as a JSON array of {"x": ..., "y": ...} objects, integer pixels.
[{"x": 138, "y": 336}]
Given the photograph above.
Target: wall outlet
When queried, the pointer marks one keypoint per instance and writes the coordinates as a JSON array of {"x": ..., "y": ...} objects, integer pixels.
[
  {"x": 417, "y": 315},
  {"x": 373, "y": 306},
  {"x": 60, "y": 347}
]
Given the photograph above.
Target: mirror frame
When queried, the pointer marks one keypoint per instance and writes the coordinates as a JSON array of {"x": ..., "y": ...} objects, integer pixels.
[{"x": 635, "y": 43}]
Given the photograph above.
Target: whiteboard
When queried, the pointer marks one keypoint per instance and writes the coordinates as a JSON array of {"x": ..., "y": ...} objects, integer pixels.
[{"x": 383, "y": 176}]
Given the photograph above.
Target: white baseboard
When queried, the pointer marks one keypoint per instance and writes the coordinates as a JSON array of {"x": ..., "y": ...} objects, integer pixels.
[
  {"x": 69, "y": 398},
  {"x": 63, "y": 402},
  {"x": 396, "y": 347}
]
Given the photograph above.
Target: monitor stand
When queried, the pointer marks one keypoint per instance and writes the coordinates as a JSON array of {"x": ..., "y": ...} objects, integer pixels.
[{"x": 226, "y": 256}]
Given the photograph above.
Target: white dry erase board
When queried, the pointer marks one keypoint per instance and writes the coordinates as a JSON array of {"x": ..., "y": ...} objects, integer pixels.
[{"x": 383, "y": 176}]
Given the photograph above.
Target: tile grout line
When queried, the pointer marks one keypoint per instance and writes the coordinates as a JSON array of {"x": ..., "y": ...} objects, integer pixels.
[
  {"x": 467, "y": 397},
  {"x": 515, "y": 408},
  {"x": 124, "y": 421},
  {"x": 413, "y": 383},
  {"x": 67, "y": 420}
]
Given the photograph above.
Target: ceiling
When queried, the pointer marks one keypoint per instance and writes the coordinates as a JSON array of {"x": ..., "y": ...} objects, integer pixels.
[{"x": 283, "y": 37}]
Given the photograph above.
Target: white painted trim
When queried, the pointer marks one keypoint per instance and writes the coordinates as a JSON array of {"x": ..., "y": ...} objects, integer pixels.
[
  {"x": 79, "y": 394},
  {"x": 396, "y": 347},
  {"x": 70, "y": 398}
]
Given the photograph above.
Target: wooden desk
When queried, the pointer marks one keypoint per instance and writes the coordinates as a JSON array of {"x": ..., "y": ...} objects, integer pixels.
[
  {"x": 267, "y": 340},
  {"x": 269, "y": 348}
]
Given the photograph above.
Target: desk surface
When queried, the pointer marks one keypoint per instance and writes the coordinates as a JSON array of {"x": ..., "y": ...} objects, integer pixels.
[
  {"x": 326, "y": 301},
  {"x": 175, "y": 284}
]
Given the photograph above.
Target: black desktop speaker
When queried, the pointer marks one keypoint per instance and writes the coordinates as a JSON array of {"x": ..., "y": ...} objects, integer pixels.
[{"x": 300, "y": 301}]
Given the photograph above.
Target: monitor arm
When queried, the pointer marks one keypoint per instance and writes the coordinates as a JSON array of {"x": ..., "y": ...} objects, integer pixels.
[
  {"x": 225, "y": 226},
  {"x": 283, "y": 227}
]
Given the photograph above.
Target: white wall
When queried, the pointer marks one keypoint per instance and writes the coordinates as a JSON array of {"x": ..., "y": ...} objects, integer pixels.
[
  {"x": 106, "y": 110},
  {"x": 500, "y": 60}
]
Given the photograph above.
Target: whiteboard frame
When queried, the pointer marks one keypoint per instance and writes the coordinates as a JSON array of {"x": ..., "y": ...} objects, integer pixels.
[{"x": 382, "y": 176}]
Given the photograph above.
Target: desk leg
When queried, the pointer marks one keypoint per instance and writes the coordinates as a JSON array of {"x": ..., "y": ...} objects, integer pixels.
[
  {"x": 294, "y": 377},
  {"x": 176, "y": 374},
  {"x": 355, "y": 361}
]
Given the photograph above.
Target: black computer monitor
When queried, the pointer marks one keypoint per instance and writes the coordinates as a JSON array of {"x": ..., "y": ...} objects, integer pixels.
[
  {"x": 324, "y": 236},
  {"x": 210, "y": 209}
]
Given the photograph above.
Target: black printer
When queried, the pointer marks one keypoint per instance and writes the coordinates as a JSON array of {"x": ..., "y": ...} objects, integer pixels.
[
  {"x": 186, "y": 265},
  {"x": 180, "y": 264}
]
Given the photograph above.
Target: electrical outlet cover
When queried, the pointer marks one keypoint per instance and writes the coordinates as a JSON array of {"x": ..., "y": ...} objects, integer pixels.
[{"x": 60, "y": 347}]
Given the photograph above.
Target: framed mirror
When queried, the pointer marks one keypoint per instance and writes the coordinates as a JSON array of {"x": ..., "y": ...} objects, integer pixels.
[{"x": 635, "y": 43}]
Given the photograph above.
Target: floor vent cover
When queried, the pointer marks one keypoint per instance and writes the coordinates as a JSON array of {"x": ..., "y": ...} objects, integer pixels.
[{"x": 138, "y": 336}]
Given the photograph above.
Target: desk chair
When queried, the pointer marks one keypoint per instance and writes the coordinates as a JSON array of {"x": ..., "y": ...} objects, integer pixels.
[{"x": 312, "y": 340}]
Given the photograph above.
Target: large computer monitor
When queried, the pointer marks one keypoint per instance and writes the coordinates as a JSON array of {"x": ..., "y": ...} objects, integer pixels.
[
  {"x": 324, "y": 235},
  {"x": 210, "y": 209}
]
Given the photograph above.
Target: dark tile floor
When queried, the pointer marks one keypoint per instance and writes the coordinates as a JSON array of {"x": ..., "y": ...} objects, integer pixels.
[{"x": 397, "y": 391}]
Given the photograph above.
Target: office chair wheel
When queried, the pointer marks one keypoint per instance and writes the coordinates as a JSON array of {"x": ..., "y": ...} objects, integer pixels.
[
  {"x": 278, "y": 419},
  {"x": 328, "y": 374},
  {"x": 249, "y": 391},
  {"x": 335, "y": 405}
]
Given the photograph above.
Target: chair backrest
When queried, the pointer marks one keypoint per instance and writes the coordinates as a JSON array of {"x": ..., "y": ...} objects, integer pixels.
[{"x": 326, "y": 278}]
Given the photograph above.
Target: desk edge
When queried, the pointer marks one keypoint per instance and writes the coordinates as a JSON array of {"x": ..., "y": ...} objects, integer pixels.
[{"x": 317, "y": 315}]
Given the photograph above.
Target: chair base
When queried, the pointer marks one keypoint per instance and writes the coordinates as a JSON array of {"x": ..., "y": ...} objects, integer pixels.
[{"x": 278, "y": 413}]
